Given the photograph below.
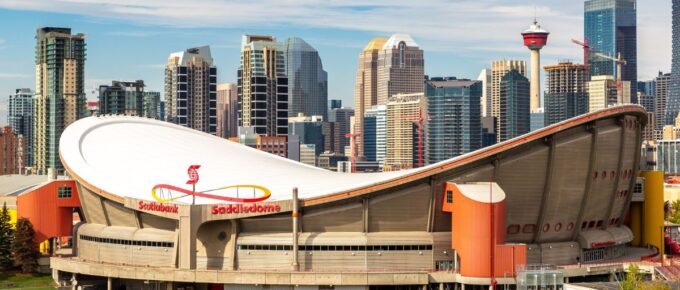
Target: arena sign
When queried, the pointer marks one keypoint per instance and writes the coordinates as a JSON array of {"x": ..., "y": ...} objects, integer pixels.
[{"x": 165, "y": 193}]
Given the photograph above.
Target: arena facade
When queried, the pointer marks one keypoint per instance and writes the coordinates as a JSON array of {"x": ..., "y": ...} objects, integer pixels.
[{"x": 251, "y": 220}]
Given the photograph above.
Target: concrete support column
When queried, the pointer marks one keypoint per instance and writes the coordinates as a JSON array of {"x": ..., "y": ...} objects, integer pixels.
[
  {"x": 189, "y": 220},
  {"x": 424, "y": 287},
  {"x": 109, "y": 283},
  {"x": 441, "y": 286},
  {"x": 74, "y": 282},
  {"x": 295, "y": 266}
]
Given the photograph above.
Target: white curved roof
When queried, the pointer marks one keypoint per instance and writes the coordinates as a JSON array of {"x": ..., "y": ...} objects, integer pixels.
[{"x": 128, "y": 156}]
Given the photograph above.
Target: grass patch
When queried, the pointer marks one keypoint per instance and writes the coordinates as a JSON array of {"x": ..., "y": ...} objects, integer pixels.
[{"x": 14, "y": 280}]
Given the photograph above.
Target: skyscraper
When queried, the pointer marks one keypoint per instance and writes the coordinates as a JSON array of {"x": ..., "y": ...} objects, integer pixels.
[
  {"x": 227, "y": 108},
  {"x": 602, "y": 93},
  {"x": 263, "y": 86},
  {"x": 401, "y": 68},
  {"x": 514, "y": 106},
  {"x": 366, "y": 87},
  {"x": 309, "y": 129},
  {"x": 403, "y": 145},
  {"x": 566, "y": 94},
  {"x": 307, "y": 81},
  {"x": 341, "y": 117},
  {"x": 151, "y": 107},
  {"x": 485, "y": 101},
  {"x": 60, "y": 94},
  {"x": 375, "y": 133},
  {"x": 122, "y": 98},
  {"x": 611, "y": 28},
  {"x": 673, "y": 105},
  {"x": 662, "y": 89},
  {"x": 20, "y": 118},
  {"x": 454, "y": 126},
  {"x": 499, "y": 69},
  {"x": 191, "y": 89}
]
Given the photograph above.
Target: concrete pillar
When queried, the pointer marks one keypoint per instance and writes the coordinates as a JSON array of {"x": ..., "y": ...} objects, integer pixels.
[
  {"x": 108, "y": 283},
  {"x": 74, "y": 282},
  {"x": 462, "y": 286},
  {"x": 295, "y": 266},
  {"x": 189, "y": 221},
  {"x": 441, "y": 286},
  {"x": 424, "y": 287},
  {"x": 535, "y": 84}
]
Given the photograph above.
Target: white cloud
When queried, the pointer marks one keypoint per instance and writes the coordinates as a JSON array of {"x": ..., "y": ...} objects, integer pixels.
[
  {"x": 468, "y": 27},
  {"x": 5, "y": 75}
]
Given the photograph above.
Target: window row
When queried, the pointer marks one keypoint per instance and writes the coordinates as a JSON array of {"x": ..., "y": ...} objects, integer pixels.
[
  {"x": 337, "y": 248},
  {"x": 127, "y": 242}
]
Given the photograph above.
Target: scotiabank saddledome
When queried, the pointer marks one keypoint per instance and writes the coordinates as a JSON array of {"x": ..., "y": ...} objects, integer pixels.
[{"x": 551, "y": 197}]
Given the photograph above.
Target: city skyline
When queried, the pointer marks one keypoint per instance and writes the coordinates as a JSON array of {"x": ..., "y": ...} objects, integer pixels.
[{"x": 142, "y": 43}]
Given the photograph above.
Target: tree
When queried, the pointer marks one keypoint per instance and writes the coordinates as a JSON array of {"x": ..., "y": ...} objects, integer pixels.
[
  {"x": 675, "y": 212},
  {"x": 633, "y": 279},
  {"x": 6, "y": 238},
  {"x": 24, "y": 247}
]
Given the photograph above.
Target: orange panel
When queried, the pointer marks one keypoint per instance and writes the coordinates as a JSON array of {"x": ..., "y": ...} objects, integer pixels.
[{"x": 51, "y": 216}]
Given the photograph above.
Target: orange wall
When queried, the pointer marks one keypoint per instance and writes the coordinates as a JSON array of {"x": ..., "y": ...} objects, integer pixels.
[
  {"x": 50, "y": 216},
  {"x": 471, "y": 238}
]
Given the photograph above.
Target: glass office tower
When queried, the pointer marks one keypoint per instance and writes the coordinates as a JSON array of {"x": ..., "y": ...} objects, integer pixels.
[
  {"x": 307, "y": 81},
  {"x": 454, "y": 124},
  {"x": 673, "y": 102},
  {"x": 611, "y": 28}
]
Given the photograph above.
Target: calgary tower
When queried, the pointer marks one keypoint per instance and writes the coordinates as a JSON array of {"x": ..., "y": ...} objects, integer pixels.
[{"x": 535, "y": 38}]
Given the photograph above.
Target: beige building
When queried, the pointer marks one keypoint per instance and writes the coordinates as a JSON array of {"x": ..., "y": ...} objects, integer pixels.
[
  {"x": 499, "y": 69},
  {"x": 60, "y": 94},
  {"x": 403, "y": 113},
  {"x": 671, "y": 132},
  {"x": 602, "y": 93},
  {"x": 366, "y": 88},
  {"x": 190, "y": 89},
  {"x": 401, "y": 68},
  {"x": 227, "y": 106}
]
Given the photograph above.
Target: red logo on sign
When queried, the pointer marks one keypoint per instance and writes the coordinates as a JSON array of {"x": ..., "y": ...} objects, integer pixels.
[{"x": 193, "y": 174}]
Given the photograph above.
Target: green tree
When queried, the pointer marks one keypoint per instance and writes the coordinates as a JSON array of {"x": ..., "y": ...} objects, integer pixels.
[
  {"x": 6, "y": 237},
  {"x": 24, "y": 246},
  {"x": 634, "y": 279},
  {"x": 675, "y": 212}
]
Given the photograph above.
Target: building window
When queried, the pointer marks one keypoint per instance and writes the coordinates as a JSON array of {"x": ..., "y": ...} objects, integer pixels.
[
  {"x": 64, "y": 192},
  {"x": 449, "y": 197}
]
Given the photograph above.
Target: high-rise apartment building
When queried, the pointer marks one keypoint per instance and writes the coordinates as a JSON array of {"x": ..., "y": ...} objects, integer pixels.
[
  {"x": 60, "y": 92},
  {"x": 151, "y": 105},
  {"x": 485, "y": 100},
  {"x": 12, "y": 152},
  {"x": 191, "y": 89},
  {"x": 404, "y": 111},
  {"x": 342, "y": 119},
  {"x": 307, "y": 81},
  {"x": 454, "y": 123},
  {"x": 566, "y": 94},
  {"x": 499, "y": 69},
  {"x": 673, "y": 104},
  {"x": 662, "y": 85},
  {"x": 227, "y": 108},
  {"x": 122, "y": 98},
  {"x": 332, "y": 137},
  {"x": 611, "y": 28},
  {"x": 401, "y": 68},
  {"x": 375, "y": 134},
  {"x": 20, "y": 118},
  {"x": 263, "y": 86},
  {"x": 602, "y": 93},
  {"x": 366, "y": 86},
  {"x": 514, "y": 106}
]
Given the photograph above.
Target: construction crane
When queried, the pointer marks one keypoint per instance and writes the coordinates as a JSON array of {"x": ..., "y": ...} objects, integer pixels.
[
  {"x": 586, "y": 49},
  {"x": 619, "y": 63},
  {"x": 353, "y": 140}
]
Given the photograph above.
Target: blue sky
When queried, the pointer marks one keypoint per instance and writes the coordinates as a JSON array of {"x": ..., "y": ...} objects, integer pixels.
[{"x": 131, "y": 39}]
